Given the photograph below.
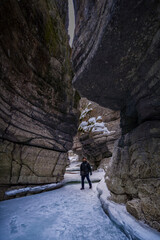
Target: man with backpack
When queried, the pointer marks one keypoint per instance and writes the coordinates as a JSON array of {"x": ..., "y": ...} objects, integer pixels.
[{"x": 85, "y": 169}]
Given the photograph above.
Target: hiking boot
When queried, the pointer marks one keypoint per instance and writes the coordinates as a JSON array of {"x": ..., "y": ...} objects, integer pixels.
[
  {"x": 82, "y": 189},
  {"x": 90, "y": 187}
]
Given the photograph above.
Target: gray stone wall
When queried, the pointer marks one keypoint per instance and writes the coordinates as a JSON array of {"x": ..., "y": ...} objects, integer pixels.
[
  {"x": 116, "y": 59},
  {"x": 37, "y": 115}
]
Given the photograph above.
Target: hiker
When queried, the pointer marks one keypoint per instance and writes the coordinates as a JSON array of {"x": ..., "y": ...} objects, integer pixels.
[{"x": 85, "y": 169}]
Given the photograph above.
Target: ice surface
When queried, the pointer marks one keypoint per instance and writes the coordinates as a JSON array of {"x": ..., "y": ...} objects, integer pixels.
[
  {"x": 118, "y": 213},
  {"x": 34, "y": 189},
  {"x": 73, "y": 158},
  {"x": 70, "y": 214},
  {"x": 62, "y": 214},
  {"x": 75, "y": 176}
]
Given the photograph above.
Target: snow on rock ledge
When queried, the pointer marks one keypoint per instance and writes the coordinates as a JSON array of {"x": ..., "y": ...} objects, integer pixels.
[
  {"x": 33, "y": 190},
  {"x": 118, "y": 214}
]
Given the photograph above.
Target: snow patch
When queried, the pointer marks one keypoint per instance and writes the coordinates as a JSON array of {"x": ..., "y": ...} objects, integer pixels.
[
  {"x": 93, "y": 126},
  {"x": 73, "y": 158},
  {"x": 92, "y": 120},
  {"x": 99, "y": 118},
  {"x": 34, "y": 189},
  {"x": 98, "y": 127},
  {"x": 85, "y": 111}
]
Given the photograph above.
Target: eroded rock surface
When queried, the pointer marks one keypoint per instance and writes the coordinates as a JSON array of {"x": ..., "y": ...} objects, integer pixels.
[
  {"x": 97, "y": 141},
  {"x": 116, "y": 59},
  {"x": 37, "y": 115},
  {"x": 137, "y": 180},
  {"x": 116, "y": 46}
]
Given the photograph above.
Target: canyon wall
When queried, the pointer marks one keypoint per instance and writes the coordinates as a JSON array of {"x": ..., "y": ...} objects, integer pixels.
[
  {"x": 116, "y": 58},
  {"x": 38, "y": 116},
  {"x": 98, "y": 130}
]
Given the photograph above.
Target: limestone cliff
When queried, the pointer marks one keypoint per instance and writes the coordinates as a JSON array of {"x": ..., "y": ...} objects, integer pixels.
[
  {"x": 37, "y": 109},
  {"x": 116, "y": 59},
  {"x": 98, "y": 130}
]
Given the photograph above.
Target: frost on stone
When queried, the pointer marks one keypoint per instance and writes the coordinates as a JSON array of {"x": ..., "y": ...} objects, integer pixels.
[
  {"x": 83, "y": 127},
  {"x": 93, "y": 126},
  {"x": 99, "y": 118},
  {"x": 92, "y": 120},
  {"x": 85, "y": 111},
  {"x": 100, "y": 127}
]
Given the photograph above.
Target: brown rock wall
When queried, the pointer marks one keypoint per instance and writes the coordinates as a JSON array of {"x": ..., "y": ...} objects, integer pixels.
[{"x": 37, "y": 115}]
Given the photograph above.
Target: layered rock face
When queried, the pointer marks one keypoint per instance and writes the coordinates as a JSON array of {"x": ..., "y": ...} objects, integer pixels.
[
  {"x": 133, "y": 173},
  {"x": 96, "y": 141},
  {"x": 117, "y": 64},
  {"x": 37, "y": 111}
]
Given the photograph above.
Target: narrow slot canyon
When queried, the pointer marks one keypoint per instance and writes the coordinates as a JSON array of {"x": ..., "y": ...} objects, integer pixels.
[{"x": 79, "y": 79}]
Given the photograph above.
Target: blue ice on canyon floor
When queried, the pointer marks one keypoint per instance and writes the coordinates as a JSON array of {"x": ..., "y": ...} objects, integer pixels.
[{"x": 63, "y": 214}]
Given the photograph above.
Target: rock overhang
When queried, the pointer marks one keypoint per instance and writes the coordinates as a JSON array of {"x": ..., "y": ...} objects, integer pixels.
[{"x": 114, "y": 49}]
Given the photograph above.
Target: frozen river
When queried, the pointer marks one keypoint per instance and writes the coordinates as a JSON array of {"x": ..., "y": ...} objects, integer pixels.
[{"x": 63, "y": 214}]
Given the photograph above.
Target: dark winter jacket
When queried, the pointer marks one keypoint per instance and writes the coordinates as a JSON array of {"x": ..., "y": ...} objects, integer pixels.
[{"x": 85, "y": 169}]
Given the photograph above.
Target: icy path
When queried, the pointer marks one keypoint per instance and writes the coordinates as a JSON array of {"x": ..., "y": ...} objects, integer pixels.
[{"x": 62, "y": 214}]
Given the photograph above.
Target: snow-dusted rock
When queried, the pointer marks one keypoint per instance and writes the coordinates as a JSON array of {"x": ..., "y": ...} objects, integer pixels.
[
  {"x": 133, "y": 228},
  {"x": 98, "y": 131}
]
